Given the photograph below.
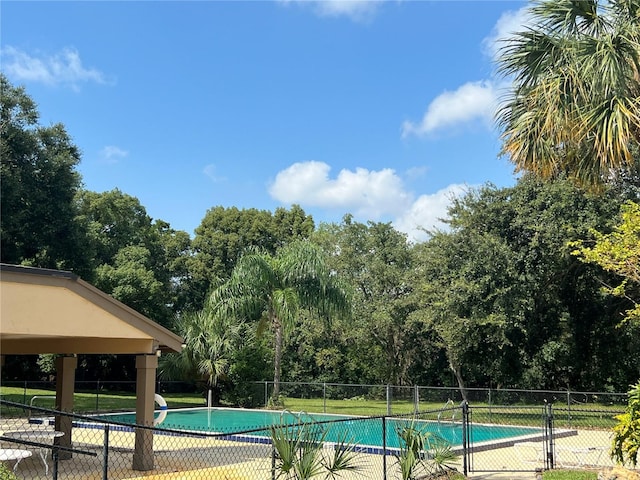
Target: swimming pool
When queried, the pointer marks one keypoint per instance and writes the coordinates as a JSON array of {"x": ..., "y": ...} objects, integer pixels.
[{"x": 363, "y": 431}]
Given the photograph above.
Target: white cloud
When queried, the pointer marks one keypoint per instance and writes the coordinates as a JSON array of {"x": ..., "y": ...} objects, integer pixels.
[
  {"x": 355, "y": 9},
  {"x": 62, "y": 68},
  {"x": 368, "y": 195},
  {"x": 471, "y": 101},
  {"x": 365, "y": 193},
  {"x": 414, "y": 173},
  {"x": 112, "y": 154},
  {"x": 358, "y": 10},
  {"x": 211, "y": 172},
  {"x": 426, "y": 213},
  {"x": 509, "y": 23}
]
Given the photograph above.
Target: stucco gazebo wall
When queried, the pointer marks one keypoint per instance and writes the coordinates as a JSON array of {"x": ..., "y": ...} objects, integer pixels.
[{"x": 52, "y": 311}]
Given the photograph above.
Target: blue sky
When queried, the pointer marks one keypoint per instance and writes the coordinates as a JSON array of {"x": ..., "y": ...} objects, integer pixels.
[{"x": 381, "y": 109}]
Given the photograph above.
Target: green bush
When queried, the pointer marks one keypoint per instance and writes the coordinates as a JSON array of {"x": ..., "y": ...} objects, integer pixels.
[
  {"x": 6, "y": 473},
  {"x": 626, "y": 434}
]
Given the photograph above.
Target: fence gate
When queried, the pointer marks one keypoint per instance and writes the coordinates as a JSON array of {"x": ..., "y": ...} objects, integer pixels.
[{"x": 508, "y": 438}]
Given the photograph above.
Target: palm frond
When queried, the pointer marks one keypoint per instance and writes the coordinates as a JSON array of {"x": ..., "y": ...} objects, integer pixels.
[{"x": 573, "y": 106}]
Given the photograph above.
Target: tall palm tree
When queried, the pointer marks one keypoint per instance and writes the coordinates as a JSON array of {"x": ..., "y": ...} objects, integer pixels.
[
  {"x": 273, "y": 290},
  {"x": 574, "y": 107},
  {"x": 210, "y": 341}
]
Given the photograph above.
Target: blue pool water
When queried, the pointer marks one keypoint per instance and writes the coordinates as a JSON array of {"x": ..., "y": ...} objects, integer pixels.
[{"x": 358, "y": 430}]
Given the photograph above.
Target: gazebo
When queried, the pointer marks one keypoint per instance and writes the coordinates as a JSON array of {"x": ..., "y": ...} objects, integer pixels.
[{"x": 53, "y": 311}]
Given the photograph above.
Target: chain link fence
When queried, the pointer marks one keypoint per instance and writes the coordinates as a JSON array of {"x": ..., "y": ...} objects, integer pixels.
[
  {"x": 390, "y": 399},
  {"x": 99, "y": 396},
  {"x": 575, "y": 438},
  {"x": 231, "y": 444},
  {"x": 105, "y": 396}
]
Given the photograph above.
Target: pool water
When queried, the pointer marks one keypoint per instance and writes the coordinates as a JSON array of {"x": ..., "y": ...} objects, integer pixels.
[{"x": 357, "y": 430}]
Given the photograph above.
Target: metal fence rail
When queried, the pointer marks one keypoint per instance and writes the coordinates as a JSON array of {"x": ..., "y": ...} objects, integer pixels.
[
  {"x": 394, "y": 398},
  {"x": 483, "y": 438},
  {"x": 318, "y": 396}
]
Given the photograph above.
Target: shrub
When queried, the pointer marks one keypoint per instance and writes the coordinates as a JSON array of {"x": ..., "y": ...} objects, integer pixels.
[
  {"x": 626, "y": 434},
  {"x": 6, "y": 473}
]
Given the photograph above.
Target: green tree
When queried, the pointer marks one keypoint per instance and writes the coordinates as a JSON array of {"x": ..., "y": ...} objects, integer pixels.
[
  {"x": 466, "y": 288},
  {"x": 375, "y": 259},
  {"x": 140, "y": 262},
  {"x": 575, "y": 100},
  {"x": 250, "y": 364},
  {"x": 171, "y": 257},
  {"x": 39, "y": 181},
  {"x": 226, "y": 233},
  {"x": 274, "y": 289},
  {"x": 211, "y": 341},
  {"x": 130, "y": 279},
  {"x": 114, "y": 220},
  {"x": 619, "y": 252},
  {"x": 567, "y": 328},
  {"x": 292, "y": 224}
]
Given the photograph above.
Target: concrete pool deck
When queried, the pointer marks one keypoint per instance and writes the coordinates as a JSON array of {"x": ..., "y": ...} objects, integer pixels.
[
  {"x": 587, "y": 449},
  {"x": 179, "y": 457}
]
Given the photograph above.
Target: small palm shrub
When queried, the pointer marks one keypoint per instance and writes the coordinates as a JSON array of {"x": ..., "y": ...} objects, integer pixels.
[
  {"x": 421, "y": 453},
  {"x": 300, "y": 453}
]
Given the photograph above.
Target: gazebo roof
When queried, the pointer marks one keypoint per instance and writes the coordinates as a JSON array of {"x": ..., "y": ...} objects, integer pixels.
[{"x": 54, "y": 311}]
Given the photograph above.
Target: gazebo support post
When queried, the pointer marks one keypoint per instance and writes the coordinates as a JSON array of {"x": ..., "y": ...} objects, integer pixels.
[
  {"x": 65, "y": 382},
  {"x": 146, "y": 366}
]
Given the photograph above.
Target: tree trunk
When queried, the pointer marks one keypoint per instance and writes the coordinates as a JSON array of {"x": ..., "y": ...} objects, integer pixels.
[
  {"x": 277, "y": 360},
  {"x": 461, "y": 385}
]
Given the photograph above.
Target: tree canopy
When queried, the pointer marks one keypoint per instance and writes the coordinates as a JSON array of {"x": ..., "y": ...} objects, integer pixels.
[
  {"x": 573, "y": 107},
  {"x": 272, "y": 290},
  {"x": 39, "y": 183},
  {"x": 497, "y": 298},
  {"x": 225, "y": 234},
  {"x": 619, "y": 252}
]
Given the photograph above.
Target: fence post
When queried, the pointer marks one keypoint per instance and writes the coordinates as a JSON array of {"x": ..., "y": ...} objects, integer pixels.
[
  {"x": 490, "y": 412},
  {"x": 98, "y": 396},
  {"x": 266, "y": 394},
  {"x": 105, "y": 453},
  {"x": 384, "y": 448},
  {"x": 388, "y": 399},
  {"x": 569, "y": 407},
  {"x": 416, "y": 399},
  {"x": 549, "y": 442},
  {"x": 324, "y": 397},
  {"x": 55, "y": 457},
  {"x": 465, "y": 444},
  {"x": 273, "y": 461}
]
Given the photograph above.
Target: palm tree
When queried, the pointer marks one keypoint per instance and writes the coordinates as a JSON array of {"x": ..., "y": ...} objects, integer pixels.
[
  {"x": 574, "y": 107},
  {"x": 273, "y": 289},
  {"x": 210, "y": 341}
]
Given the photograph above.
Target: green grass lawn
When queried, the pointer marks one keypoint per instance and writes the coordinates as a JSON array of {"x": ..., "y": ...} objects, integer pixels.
[
  {"x": 570, "y": 475},
  {"x": 601, "y": 417},
  {"x": 92, "y": 402},
  {"x": 358, "y": 406}
]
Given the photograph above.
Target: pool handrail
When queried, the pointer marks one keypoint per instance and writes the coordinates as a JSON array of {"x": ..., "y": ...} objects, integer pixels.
[{"x": 445, "y": 407}]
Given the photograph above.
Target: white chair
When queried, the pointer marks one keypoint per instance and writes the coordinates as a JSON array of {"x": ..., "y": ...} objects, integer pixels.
[{"x": 11, "y": 454}]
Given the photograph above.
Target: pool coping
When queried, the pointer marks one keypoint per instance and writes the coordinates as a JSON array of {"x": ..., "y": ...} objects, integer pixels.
[{"x": 245, "y": 437}]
